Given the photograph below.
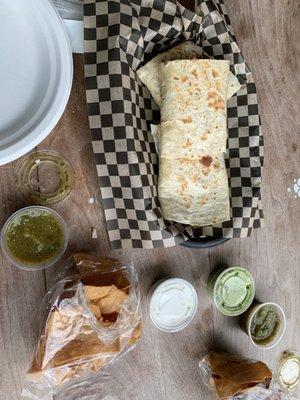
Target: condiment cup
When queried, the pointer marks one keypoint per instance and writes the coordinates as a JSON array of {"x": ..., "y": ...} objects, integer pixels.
[
  {"x": 288, "y": 370},
  {"x": 41, "y": 265},
  {"x": 173, "y": 304},
  {"x": 247, "y": 317},
  {"x": 48, "y": 192},
  {"x": 232, "y": 290}
]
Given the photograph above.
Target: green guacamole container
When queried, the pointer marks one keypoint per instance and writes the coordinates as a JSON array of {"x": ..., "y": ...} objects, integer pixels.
[{"x": 232, "y": 290}]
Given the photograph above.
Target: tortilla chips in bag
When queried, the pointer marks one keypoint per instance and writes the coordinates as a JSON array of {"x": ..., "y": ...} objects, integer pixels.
[{"x": 92, "y": 319}]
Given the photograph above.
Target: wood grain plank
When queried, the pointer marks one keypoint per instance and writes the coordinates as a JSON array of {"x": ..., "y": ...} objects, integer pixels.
[
  {"x": 267, "y": 32},
  {"x": 20, "y": 298}
]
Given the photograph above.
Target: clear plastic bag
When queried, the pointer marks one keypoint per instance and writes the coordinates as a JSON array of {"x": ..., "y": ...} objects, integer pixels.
[
  {"x": 92, "y": 318},
  {"x": 70, "y": 9},
  {"x": 238, "y": 378}
]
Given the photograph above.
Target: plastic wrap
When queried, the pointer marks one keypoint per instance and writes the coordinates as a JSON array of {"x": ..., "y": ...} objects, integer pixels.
[
  {"x": 92, "y": 317},
  {"x": 233, "y": 377},
  {"x": 70, "y": 9}
]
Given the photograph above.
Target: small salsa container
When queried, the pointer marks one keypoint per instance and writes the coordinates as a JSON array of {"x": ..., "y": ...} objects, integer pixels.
[
  {"x": 278, "y": 330},
  {"x": 173, "y": 304},
  {"x": 232, "y": 290},
  {"x": 56, "y": 177},
  {"x": 35, "y": 233},
  {"x": 288, "y": 370}
]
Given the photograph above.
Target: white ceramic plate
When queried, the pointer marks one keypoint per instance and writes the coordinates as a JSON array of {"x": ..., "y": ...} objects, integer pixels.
[{"x": 36, "y": 71}]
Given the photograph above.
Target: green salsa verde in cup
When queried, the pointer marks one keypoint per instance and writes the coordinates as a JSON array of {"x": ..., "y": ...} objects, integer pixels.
[
  {"x": 264, "y": 323},
  {"x": 34, "y": 237}
]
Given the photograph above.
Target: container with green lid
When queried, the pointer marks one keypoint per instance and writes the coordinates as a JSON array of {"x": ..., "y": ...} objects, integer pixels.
[{"x": 232, "y": 290}]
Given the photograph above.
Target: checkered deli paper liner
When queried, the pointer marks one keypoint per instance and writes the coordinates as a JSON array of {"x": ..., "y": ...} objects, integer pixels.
[{"x": 120, "y": 36}]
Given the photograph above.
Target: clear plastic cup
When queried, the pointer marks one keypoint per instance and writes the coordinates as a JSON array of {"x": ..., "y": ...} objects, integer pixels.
[
  {"x": 56, "y": 177},
  {"x": 247, "y": 317},
  {"x": 33, "y": 210},
  {"x": 288, "y": 370}
]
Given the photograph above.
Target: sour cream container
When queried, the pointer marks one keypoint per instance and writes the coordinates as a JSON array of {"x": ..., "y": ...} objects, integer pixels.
[{"x": 173, "y": 304}]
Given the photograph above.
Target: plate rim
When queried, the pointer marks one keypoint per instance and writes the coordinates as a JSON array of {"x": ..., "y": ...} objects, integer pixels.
[{"x": 16, "y": 149}]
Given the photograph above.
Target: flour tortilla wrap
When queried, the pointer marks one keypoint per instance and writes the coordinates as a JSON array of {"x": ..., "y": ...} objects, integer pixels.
[
  {"x": 194, "y": 191},
  {"x": 195, "y": 91},
  {"x": 149, "y": 73},
  {"x": 190, "y": 140},
  {"x": 150, "y": 76},
  {"x": 193, "y": 184}
]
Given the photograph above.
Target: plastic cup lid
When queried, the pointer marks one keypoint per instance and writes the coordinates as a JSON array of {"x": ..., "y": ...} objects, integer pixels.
[
  {"x": 234, "y": 291},
  {"x": 288, "y": 370},
  {"x": 45, "y": 177},
  {"x": 173, "y": 304}
]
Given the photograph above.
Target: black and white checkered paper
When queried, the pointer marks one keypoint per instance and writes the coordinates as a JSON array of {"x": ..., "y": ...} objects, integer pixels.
[{"x": 120, "y": 36}]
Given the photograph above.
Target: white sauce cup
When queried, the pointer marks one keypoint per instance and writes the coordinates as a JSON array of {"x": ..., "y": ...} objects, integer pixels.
[{"x": 173, "y": 304}]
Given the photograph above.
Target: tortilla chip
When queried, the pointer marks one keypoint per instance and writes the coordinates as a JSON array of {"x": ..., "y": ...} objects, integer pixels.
[
  {"x": 98, "y": 271},
  {"x": 232, "y": 375},
  {"x": 95, "y": 310},
  {"x": 94, "y": 293},
  {"x": 108, "y": 298},
  {"x": 61, "y": 344},
  {"x": 71, "y": 345},
  {"x": 136, "y": 334}
]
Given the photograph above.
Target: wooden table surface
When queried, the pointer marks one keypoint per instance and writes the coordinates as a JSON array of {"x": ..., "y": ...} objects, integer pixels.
[{"x": 165, "y": 366}]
